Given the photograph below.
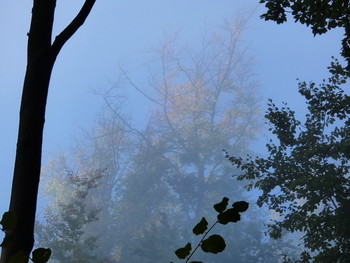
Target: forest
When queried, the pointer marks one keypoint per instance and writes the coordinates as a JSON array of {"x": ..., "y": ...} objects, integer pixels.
[{"x": 184, "y": 182}]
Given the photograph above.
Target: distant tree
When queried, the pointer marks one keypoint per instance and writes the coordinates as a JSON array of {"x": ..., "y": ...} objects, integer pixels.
[
  {"x": 41, "y": 56},
  {"x": 106, "y": 149},
  {"x": 321, "y": 15},
  {"x": 305, "y": 177},
  {"x": 204, "y": 102},
  {"x": 161, "y": 178},
  {"x": 63, "y": 228}
]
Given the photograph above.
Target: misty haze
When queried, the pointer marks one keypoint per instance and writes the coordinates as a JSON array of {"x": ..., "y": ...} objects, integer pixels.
[{"x": 177, "y": 131}]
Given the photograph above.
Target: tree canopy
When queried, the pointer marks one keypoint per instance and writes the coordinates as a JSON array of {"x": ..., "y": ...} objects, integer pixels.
[
  {"x": 305, "y": 177},
  {"x": 161, "y": 178},
  {"x": 322, "y": 16}
]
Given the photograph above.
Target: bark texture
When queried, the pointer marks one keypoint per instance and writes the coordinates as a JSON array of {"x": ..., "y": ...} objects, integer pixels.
[{"x": 41, "y": 56}]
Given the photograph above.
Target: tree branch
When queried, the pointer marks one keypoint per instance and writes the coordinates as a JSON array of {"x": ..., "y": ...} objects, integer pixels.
[
  {"x": 69, "y": 31},
  {"x": 126, "y": 75}
]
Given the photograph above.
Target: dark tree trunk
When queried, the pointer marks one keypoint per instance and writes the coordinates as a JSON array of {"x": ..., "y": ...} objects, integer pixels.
[{"x": 41, "y": 56}]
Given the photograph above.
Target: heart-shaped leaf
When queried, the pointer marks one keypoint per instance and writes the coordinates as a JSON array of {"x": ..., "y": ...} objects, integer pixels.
[
  {"x": 200, "y": 227},
  {"x": 183, "y": 252},
  {"x": 220, "y": 207},
  {"x": 240, "y": 206}
]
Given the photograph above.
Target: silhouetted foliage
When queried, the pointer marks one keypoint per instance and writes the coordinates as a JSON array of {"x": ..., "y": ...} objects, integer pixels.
[
  {"x": 214, "y": 243},
  {"x": 321, "y": 15},
  {"x": 305, "y": 178}
]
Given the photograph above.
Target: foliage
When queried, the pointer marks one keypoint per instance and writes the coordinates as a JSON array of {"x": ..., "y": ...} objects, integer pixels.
[
  {"x": 214, "y": 243},
  {"x": 167, "y": 171},
  {"x": 305, "y": 178},
  {"x": 321, "y": 15},
  {"x": 202, "y": 103},
  {"x": 39, "y": 255},
  {"x": 67, "y": 218}
]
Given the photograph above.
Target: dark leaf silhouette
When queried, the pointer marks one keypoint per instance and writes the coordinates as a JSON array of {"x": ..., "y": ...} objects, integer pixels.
[
  {"x": 221, "y": 207},
  {"x": 182, "y": 253},
  {"x": 213, "y": 244},
  {"x": 41, "y": 255},
  {"x": 240, "y": 206},
  {"x": 230, "y": 215},
  {"x": 200, "y": 227}
]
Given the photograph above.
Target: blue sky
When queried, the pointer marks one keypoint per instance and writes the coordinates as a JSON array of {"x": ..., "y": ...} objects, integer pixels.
[{"x": 122, "y": 31}]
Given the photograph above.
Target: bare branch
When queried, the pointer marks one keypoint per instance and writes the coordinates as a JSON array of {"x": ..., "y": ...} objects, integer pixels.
[
  {"x": 165, "y": 109},
  {"x": 126, "y": 75},
  {"x": 125, "y": 122}
]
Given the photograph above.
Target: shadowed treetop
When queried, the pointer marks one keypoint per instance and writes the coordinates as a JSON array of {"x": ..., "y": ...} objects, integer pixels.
[{"x": 321, "y": 15}]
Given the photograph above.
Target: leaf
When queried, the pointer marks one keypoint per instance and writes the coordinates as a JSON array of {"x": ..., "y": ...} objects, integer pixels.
[
  {"x": 220, "y": 207},
  {"x": 41, "y": 255},
  {"x": 240, "y": 206},
  {"x": 200, "y": 227},
  {"x": 8, "y": 221},
  {"x": 230, "y": 215},
  {"x": 213, "y": 244},
  {"x": 182, "y": 253}
]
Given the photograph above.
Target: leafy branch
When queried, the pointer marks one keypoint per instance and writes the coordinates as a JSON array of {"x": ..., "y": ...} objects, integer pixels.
[{"x": 214, "y": 243}]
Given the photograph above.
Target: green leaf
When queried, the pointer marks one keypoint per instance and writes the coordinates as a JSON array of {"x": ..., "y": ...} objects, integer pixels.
[
  {"x": 182, "y": 253},
  {"x": 200, "y": 227},
  {"x": 240, "y": 206},
  {"x": 213, "y": 244},
  {"x": 19, "y": 257},
  {"x": 41, "y": 255},
  {"x": 8, "y": 221},
  {"x": 230, "y": 215},
  {"x": 220, "y": 207}
]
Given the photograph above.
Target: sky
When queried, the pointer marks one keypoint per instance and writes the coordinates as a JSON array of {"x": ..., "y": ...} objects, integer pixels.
[{"x": 123, "y": 32}]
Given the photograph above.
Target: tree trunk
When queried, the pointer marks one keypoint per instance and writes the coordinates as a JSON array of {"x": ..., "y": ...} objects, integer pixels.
[{"x": 41, "y": 56}]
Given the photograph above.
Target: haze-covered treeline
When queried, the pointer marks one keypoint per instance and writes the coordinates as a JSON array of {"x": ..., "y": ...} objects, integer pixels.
[{"x": 131, "y": 193}]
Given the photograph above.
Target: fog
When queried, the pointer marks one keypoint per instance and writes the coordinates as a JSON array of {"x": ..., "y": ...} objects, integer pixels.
[{"x": 143, "y": 101}]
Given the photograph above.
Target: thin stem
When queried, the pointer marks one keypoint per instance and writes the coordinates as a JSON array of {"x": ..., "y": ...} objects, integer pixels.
[{"x": 200, "y": 242}]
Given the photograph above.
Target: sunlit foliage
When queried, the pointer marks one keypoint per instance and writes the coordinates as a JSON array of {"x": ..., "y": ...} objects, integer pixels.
[{"x": 66, "y": 219}]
